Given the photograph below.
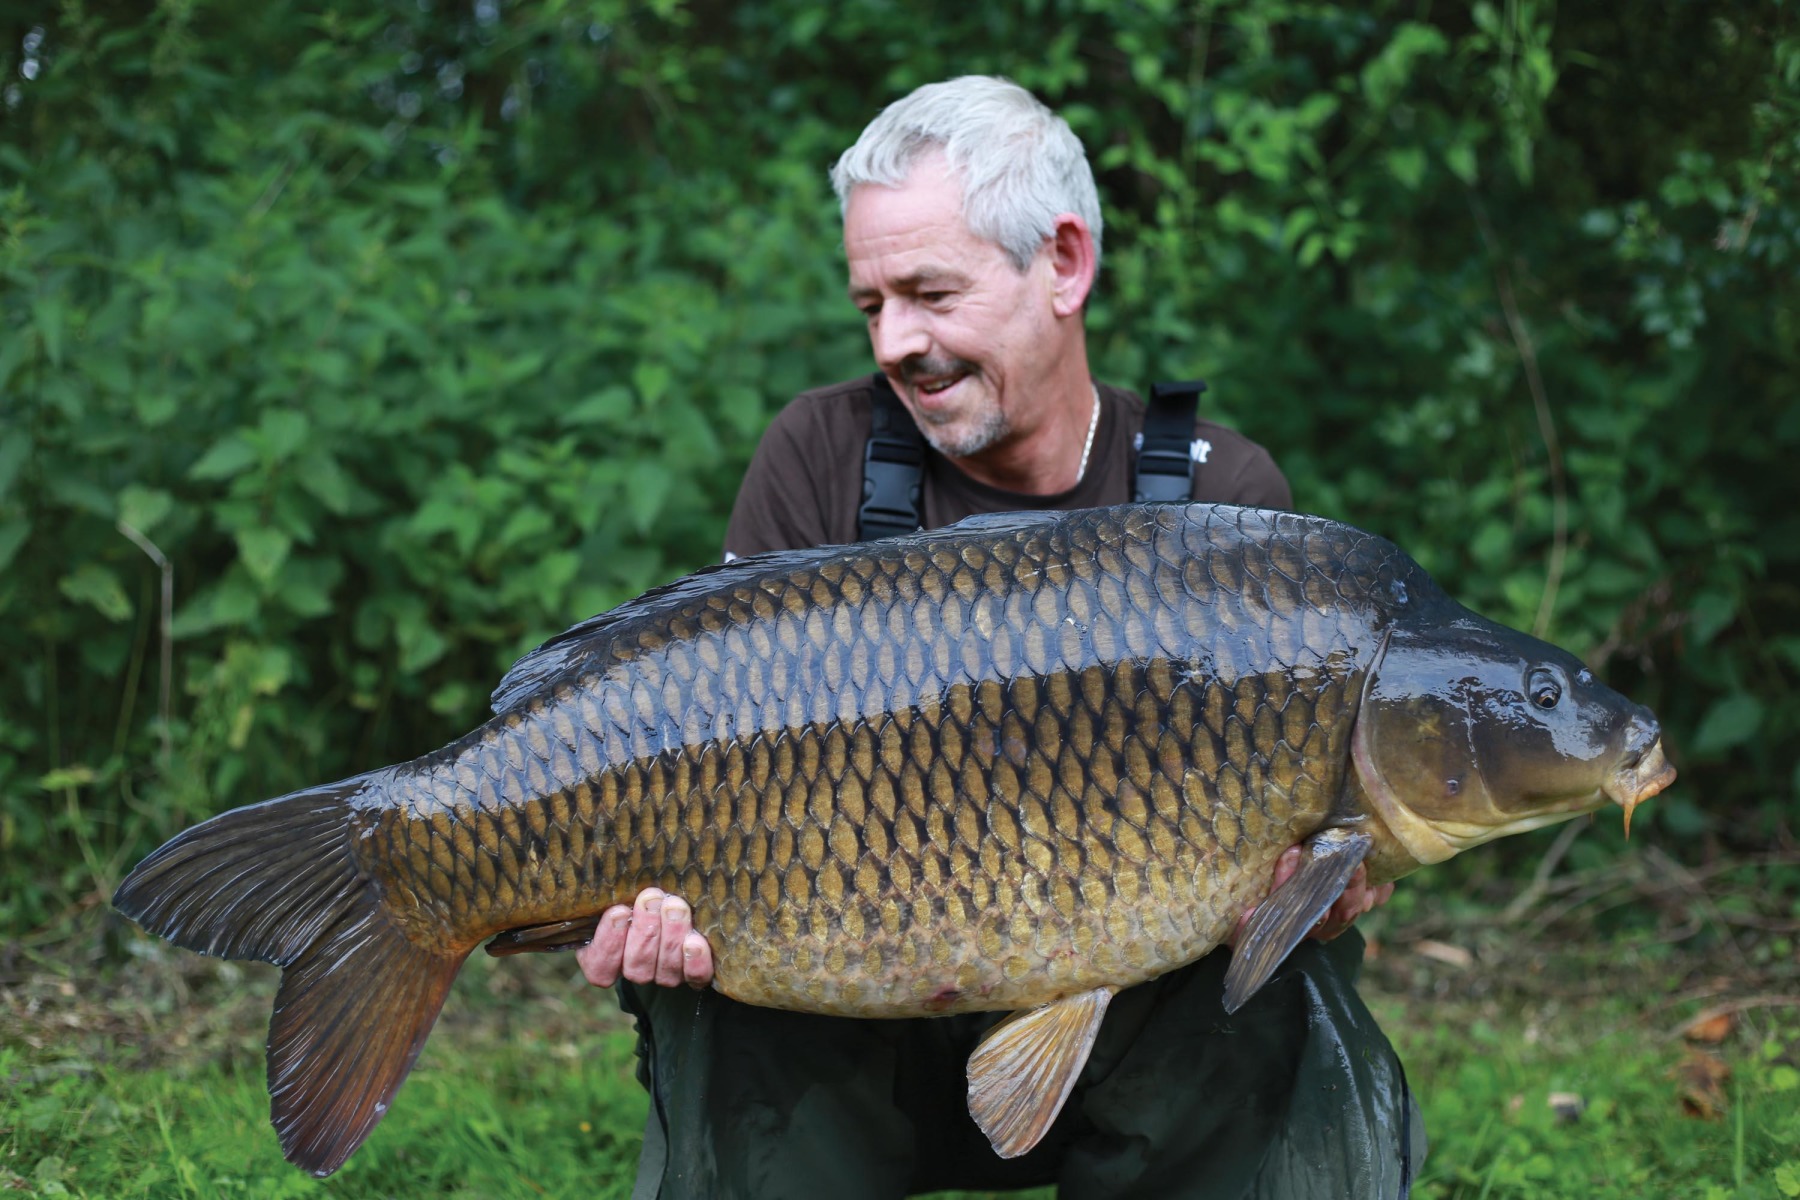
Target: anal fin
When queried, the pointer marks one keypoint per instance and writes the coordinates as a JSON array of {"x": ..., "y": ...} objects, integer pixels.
[
  {"x": 545, "y": 939},
  {"x": 1022, "y": 1072},
  {"x": 1281, "y": 920}
]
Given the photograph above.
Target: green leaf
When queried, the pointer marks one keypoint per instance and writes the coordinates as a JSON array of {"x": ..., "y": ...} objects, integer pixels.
[
  {"x": 48, "y": 314},
  {"x": 155, "y": 409},
  {"x": 647, "y": 486},
  {"x": 1492, "y": 544},
  {"x": 651, "y": 379},
  {"x": 230, "y": 455},
  {"x": 230, "y": 602},
  {"x": 520, "y": 368},
  {"x": 267, "y": 669},
  {"x": 1459, "y": 156},
  {"x": 13, "y": 532},
  {"x": 1713, "y": 610},
  {"x": 526, "y": 522},
  {"x": 305, "y": 585},
  {"x": 81, "y": 493},
  {"x": 420, "y": 644},
  {"x": 13, "y": 352},
  {"x": 97, "y": 587},
  {"x": 1730, "y": 722},
  {"x": 74, "y": 775},
  {"x": 1787, "y": 1178},
  {"x": 262, "y": 551},
  {"x": 109, "y": 373},
  {"x": 1407, "y": 165},
  {"x": 142, "y": 507},
  {"x": 321, "y": 475},
  {"x": 454, "y": 699},
  {"x": 284, "y": 433},
  {"x": 609, "y": 406},
  {"x": 454, "y": 515},
  {"x": 15, "y": 448}
]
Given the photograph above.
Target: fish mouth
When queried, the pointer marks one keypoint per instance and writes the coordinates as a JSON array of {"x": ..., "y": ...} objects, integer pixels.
[{"x": 1635, "y": 782}]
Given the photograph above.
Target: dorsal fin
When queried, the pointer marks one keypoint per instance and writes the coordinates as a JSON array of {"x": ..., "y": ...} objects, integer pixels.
[
  {"x": 576, "y": 648},
  {"x": 571, "y": 650}
]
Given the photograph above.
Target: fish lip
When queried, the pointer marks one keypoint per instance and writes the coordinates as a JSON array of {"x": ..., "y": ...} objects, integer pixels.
[
  {"x": 1641, "y": 780},
  {"x": 1636, "y": 782}
]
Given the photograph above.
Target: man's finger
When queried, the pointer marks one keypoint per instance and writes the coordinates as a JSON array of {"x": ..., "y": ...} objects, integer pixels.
[
  {"x": 1349, "y": 906},
  {"x": 696, "y": 960},
  {"x": 644, "y": 940},
  {"x": 677, "y": 923},
  {"x": 601, "y": 959},
  {"x": 1286, "y": 865}
]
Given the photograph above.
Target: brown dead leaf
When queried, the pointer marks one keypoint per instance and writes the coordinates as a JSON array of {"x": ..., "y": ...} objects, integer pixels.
[
  {"x": 1710, "y": 1027},
  {"x": 1700, "y": 1079},
  {"x": 1444, "y": 952}
]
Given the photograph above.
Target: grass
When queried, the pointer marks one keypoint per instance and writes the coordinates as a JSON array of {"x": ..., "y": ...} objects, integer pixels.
[
  {"x": 147, "y": 1081},
  {"x": 495, "y": 1108},
  {"x": 1640, "y": 1118}
]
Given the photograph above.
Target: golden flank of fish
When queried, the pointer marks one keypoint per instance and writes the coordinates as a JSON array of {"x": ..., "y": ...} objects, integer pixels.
[{"x": 1016, "y": 764}]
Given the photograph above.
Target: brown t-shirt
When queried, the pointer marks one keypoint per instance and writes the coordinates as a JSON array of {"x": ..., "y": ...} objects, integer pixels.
[{"x": 804, "y": 484}]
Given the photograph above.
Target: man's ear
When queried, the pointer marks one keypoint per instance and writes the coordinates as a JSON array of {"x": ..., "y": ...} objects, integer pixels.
[{"x": 1072, "y": 265}]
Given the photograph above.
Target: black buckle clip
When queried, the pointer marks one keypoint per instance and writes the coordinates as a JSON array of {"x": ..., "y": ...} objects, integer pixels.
[{"x": 891, "y": 491}]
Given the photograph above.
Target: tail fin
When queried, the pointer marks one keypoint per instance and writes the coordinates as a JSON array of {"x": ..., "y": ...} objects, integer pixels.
[{"x": 277, "y": 881}]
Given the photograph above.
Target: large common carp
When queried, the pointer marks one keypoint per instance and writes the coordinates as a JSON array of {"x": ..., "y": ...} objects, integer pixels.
[{"x": 1018, "y": 763}]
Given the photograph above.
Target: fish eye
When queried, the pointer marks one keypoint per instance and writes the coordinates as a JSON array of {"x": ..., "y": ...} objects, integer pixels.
[{"x": 1544, "y": 689}]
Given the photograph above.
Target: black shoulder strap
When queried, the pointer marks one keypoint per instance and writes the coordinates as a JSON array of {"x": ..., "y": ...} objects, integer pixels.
[
  {"x": 1165, "y": 469},
  {"x": 893, "y": 469}
]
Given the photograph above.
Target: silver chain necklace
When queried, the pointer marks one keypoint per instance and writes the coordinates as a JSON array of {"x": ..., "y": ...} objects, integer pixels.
[{"x": 1087, "y": 447}]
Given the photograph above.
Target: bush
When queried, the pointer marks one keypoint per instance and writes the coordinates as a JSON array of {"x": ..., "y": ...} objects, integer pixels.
[{"x": 407, "y": 336}]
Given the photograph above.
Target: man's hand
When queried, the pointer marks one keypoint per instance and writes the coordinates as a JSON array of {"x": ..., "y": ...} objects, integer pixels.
[
  {"x": 1358, "y": 898},
  {"x": 652, "y": 942}
]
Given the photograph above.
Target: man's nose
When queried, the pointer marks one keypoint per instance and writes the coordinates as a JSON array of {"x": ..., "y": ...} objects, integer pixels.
[{"x": 897, "y": 335}]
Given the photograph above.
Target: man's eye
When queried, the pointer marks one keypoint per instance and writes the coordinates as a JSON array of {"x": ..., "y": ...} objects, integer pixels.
[
  {"x": 871, "y": 311},
  {"x": 934, "y": 297}
]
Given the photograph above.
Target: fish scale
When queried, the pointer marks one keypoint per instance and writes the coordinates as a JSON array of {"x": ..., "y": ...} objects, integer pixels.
[{"x": 1005, "y": 770}]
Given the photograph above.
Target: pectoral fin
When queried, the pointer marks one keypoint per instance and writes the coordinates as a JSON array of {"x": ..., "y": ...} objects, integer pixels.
[
  {"x": 1023, "y": 1069},
  {"x": 1280, "y": 921}
]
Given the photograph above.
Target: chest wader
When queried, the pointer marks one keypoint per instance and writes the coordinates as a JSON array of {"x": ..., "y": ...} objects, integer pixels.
[{"x": 1297, "y": 1096}]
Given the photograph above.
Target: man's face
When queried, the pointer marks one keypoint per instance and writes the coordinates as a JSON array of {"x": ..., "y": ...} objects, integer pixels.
[{"x": 964, "y": 337}]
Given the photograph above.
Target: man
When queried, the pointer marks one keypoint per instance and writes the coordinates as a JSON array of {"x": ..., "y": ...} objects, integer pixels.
[{"x": 972, "y": 233}]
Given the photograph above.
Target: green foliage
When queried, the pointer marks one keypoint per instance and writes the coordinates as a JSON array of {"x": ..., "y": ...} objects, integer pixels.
[{"x": 409, "y": 334}]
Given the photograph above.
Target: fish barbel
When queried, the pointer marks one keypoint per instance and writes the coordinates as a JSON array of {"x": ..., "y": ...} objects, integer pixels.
[{"x": 1015, "y": 764}]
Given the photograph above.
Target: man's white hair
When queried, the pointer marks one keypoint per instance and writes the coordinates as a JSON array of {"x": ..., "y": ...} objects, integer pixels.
[{"x": 1019, "y": 164}]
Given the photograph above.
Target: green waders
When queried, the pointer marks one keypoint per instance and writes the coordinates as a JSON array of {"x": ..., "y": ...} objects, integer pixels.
[{"x": 1297, "y": 1096}]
